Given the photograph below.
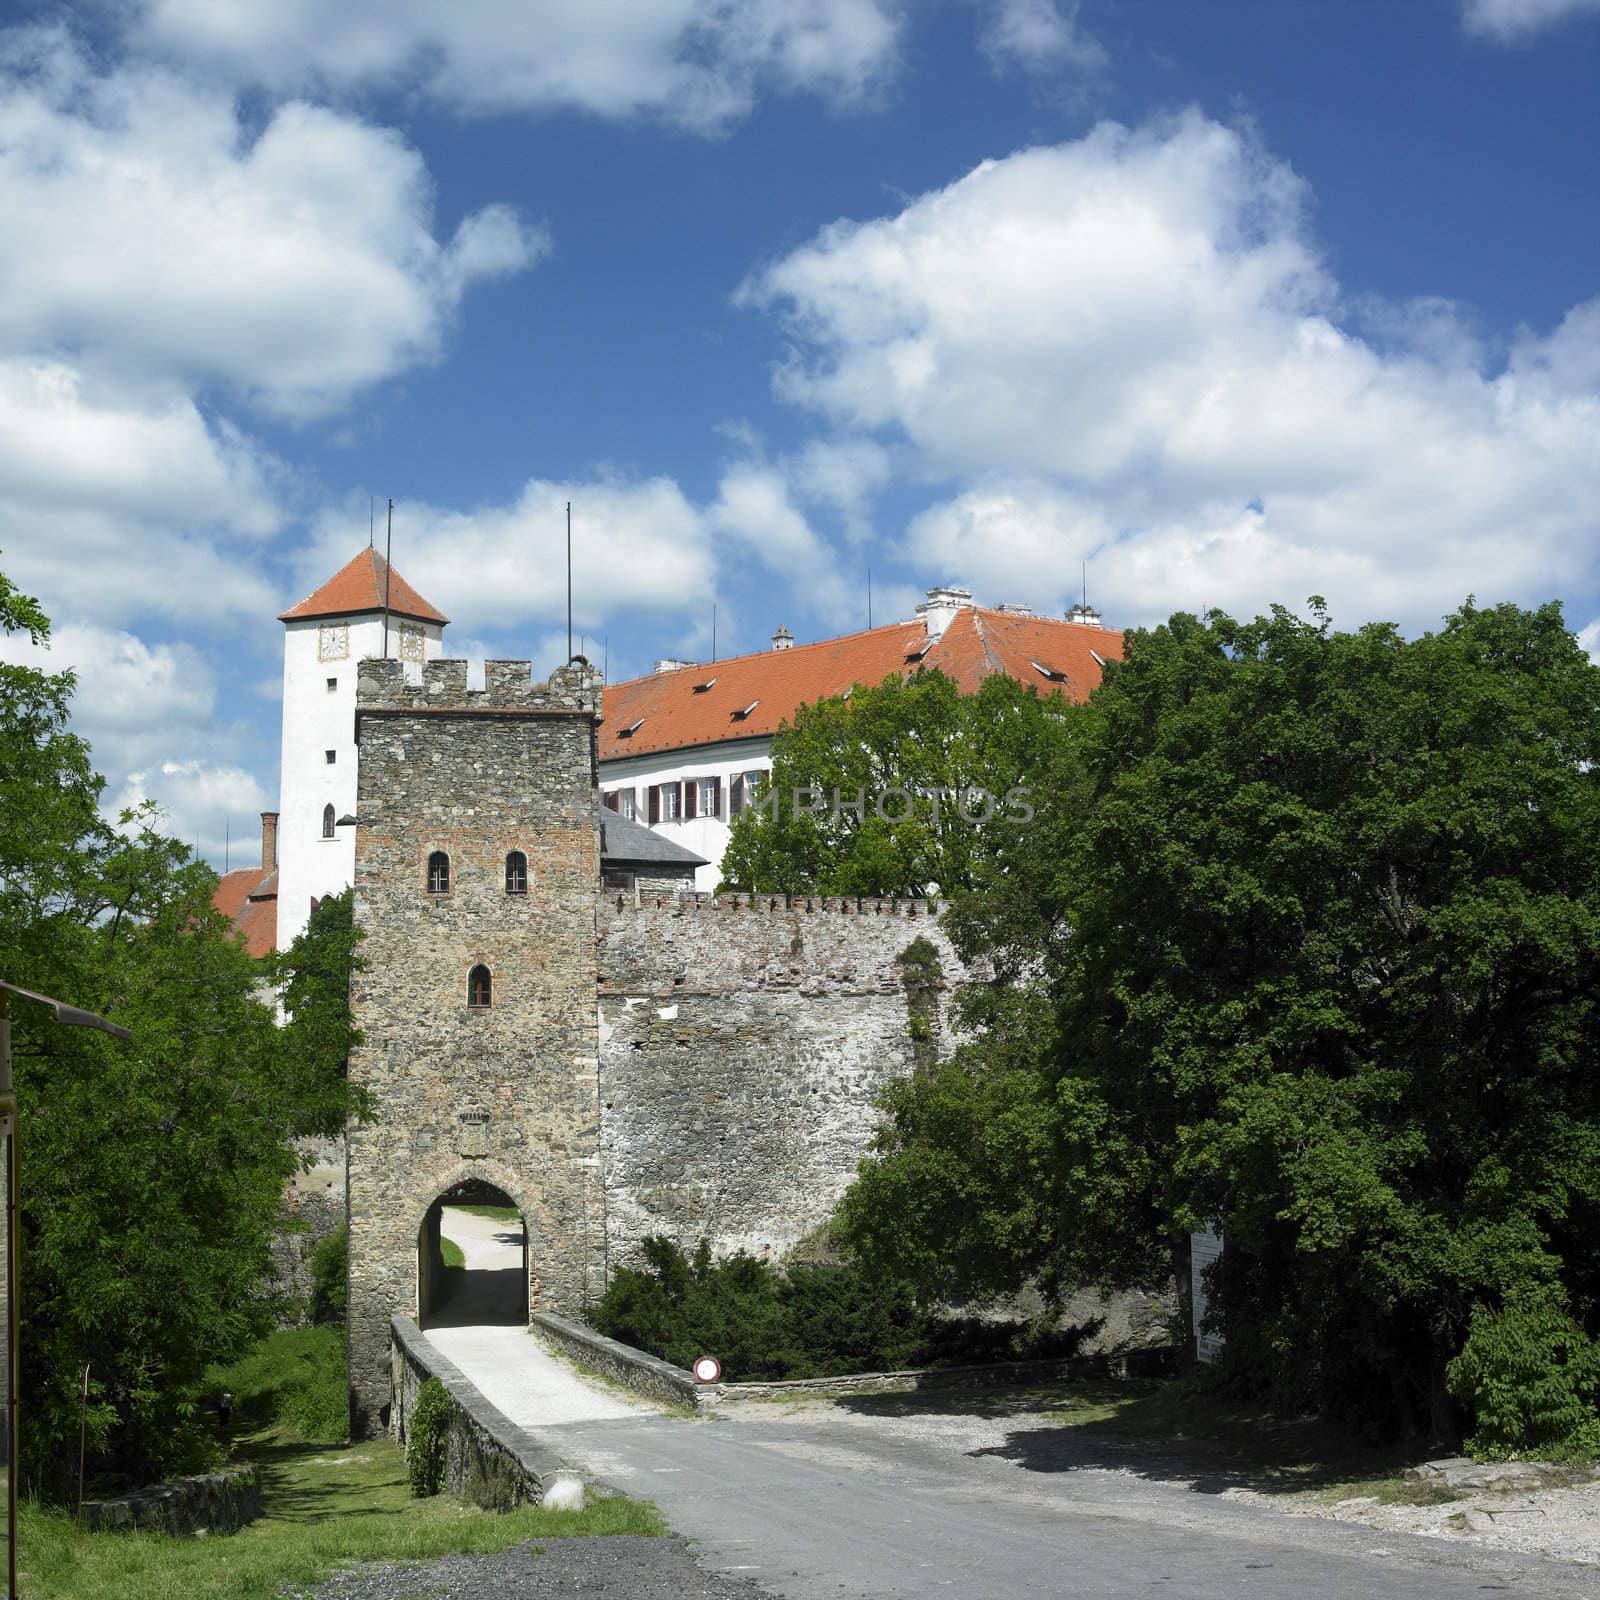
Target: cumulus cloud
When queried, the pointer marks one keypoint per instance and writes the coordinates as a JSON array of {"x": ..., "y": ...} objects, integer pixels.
[
  {"x": 152, "y": 235},
  {"x": 638, "y": 545},
  {"x": 1518, "y": 19},
  {"x": 148, "y": 711},
  {"x": 1589, "y": 638},
  {"x": 1128, "y": 347},
  {"x": 1038, "y": 36},
  {"x": 696, "y": 63}
]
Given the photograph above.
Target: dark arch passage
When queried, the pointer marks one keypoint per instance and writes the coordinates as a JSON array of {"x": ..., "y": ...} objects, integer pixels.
[{"x": 472, "y": 1259}]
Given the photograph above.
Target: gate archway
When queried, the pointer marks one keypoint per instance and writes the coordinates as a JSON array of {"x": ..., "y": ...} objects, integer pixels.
[{"x": 472, "y": 1259}]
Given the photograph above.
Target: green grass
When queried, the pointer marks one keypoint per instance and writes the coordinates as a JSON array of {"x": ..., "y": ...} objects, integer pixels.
[
  {"x": 325, "y": 1506},
  {"x": 451, "y": 1253},
  {"x": 496, "y": 1213},
  {"x": 294, "y": 1378}
]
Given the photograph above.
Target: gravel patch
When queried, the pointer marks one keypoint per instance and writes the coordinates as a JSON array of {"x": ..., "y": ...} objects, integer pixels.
[{"x": 618, "y": 1567}]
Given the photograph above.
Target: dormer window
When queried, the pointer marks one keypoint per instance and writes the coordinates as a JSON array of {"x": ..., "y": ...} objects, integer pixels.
[
  {"x": 1054, "y": 674},
  {"x": 917, "y": 652},
  {"x": 739, "y": 716},
  {"x": 628, "y": 732},
  {"x": 438, "y": 873},
  {"x": 480, "y": 988},
  {"x": 1099, "y": 660},
  {"x": 700, "y": 688},
  {"x": 516, "y": 873}
]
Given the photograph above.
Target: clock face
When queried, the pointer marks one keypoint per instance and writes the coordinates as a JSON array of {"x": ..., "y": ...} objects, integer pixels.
[
  {"x": 410, "y": 642},
  {"x": 333, "y": 641}
]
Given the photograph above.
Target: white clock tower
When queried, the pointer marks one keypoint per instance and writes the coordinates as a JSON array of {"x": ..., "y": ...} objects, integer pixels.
[{"x": 325, "y": 636}]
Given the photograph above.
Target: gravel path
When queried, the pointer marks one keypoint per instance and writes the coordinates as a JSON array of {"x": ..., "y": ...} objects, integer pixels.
[
  {"x": 510, "y": 1367},
  {"x": 618, "y": 1568}
]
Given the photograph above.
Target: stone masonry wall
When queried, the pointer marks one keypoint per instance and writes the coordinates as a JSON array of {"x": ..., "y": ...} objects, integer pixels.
[
  {"x": 742, "y": 1042},
  {"x": 505, "y": 1093}
]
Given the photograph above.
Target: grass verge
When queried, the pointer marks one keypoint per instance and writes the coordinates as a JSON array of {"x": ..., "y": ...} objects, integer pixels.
[
  {"x": 325, "y": 1507},
  {"x": 496, "y": 1213}
]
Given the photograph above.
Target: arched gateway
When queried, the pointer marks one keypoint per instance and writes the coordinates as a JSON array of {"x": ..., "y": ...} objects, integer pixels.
[{"x": 476, "y": 1001}]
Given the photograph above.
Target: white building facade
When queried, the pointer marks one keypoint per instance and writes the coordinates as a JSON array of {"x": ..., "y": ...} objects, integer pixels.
[{"x": 326, "y": 636}]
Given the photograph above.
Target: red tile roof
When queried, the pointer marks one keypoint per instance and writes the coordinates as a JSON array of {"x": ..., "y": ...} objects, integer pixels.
[
  {"x": 978, "y": 644},
  {"x": 248, "y": 898},
  {"x": 357, "y": 588}
]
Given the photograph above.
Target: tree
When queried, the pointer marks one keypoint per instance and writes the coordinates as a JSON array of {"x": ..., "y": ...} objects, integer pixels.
[
  {"x": 921, "y": 775},
  {"x": 152, "y": 1170},
  {"x": 1323, "y": 970}
]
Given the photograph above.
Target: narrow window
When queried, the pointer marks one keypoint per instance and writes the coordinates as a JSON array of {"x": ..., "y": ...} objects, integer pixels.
[
  {"x": 333, "y": 685},
  {"x": 516, "y": 873},
  {"x": 609, "y": 799},
  {"x": 479, "y": 990},
  {"x": 689, "y": 792},
  {"x": 330, "y": 756},
  {"x": 625, "y": 803},
  {"x": 710, "y": 797},
  {"x": 671, "y": 802},
  {"x": 735, "y": 794},
  {"x": 438, "y": 873},
  {"x": 327, "y": 822},
  {"x": 654, "y": 792}
]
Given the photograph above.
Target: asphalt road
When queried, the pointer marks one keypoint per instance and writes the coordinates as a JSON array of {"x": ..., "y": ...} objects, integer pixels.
[{"x": 819, "y": 1508}]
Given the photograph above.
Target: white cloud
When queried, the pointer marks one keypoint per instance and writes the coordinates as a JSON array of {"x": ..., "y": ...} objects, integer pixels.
[
  {"x": 637, "y": 546},
  {"x": 1589, "y": 640},
  {"x": 1038, "y": 36},
  {"x": 1116, "y": 347},
  {"x": 696, "y": 63},
  {"x": 148, "y": 711},
  {"x": 155, "y": 237},
  {"x": 1516, "y": 19},
  {"x": 844, "y": 475}
]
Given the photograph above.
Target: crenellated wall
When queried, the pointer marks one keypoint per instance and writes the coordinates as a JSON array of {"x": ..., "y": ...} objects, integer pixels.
[{"x": 743, "y": 1041}]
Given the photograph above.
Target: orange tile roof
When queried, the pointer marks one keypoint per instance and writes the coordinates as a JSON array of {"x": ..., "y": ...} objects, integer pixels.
[
  {"x": 357, "y": 588},
  {"x": 978, "y": 644},
  {"x": 248, "y": 898}
]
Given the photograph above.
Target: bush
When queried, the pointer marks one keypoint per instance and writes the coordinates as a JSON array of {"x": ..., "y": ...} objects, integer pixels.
[
  {"x": 295, "y": 1378},
  {"x": 327, "y": 1300},
  {"x": 810, "y": 1320},
  {"x": 427, "y": 1435},
  {"x": 1531, "y": 1376}
]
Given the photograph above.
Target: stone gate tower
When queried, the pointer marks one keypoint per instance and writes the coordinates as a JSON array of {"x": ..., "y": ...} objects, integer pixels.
[{"x": 476, "y": 863}]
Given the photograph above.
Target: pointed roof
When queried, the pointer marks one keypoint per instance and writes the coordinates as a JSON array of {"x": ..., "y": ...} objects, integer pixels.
[
  {"x": 248, "y": 898},
  {"x": 746, "y": 697},
  {"x": 357, "y": 589}
]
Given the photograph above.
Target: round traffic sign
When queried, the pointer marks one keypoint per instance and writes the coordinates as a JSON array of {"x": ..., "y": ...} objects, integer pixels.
[{"x": 707, "y": 1369}]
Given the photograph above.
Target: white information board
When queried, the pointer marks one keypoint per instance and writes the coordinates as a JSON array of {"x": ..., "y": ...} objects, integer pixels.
[{"x": 1204, "y": 1248}]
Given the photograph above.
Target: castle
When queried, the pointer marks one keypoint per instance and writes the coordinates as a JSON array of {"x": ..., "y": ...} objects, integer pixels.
[{"x": 547, "y": 1006}]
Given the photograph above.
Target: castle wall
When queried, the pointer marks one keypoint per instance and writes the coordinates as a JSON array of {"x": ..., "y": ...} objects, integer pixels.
[
  {"x": 742, "y": 1043},
  {"x": 507, "y": 1092}
]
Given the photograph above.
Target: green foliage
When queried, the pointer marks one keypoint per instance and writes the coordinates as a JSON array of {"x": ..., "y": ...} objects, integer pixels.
[
  {"x": 452, "y": 1254},
  {"x": 917, "y": 734},
  {"x": 329, "y": 1277},
  {"x": 294, "y": 1379},
  {"x": 151, "y": 1170},
  {"x": 810, "y": 1320},
  {"x": 1531, "y": 1378},
  {"x": 312, "y": 978},
  {"x": 427, "y": 1436},
  {"x": 1309, "y": 949}
]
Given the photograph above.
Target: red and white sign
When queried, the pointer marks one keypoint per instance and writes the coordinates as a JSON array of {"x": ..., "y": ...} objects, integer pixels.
[{"x": 707, "y": 1369}]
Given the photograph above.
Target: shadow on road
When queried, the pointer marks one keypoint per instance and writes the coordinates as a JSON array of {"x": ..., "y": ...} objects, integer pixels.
[{"x": 475, "y": 1297}]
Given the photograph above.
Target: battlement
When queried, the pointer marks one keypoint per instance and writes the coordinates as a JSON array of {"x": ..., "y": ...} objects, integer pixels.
[
  {"x": 615, "y": 901},
  {"x": 508, "y": 689}
]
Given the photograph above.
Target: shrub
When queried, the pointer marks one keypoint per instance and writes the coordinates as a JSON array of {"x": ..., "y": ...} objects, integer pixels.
[
  {"x": 809, "y": 1320},
  {"x": 327, "y": 1300},
  {"x": 426, "y": 1437},
  {"x": 1531, "y": 1376}
]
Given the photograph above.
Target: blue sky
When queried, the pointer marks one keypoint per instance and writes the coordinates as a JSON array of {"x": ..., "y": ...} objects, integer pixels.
[{"x": 1236, "y": 301}]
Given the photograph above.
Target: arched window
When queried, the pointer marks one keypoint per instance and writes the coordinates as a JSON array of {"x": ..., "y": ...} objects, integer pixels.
[
  {"x": 479, "y": 988},
  {"x": 327, "y": 822},
  {"x": 516, "y": 873},
  {"x": 438, "y": 873}
]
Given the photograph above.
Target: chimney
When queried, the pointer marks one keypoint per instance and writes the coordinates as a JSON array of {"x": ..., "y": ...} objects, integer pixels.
[
  {"x": 1014, "y": 608},
  {"x": 782, "y": 639},
  {"x": 269, "y": 841},
  {"x": 1084, "y": 613},
  {"x": 939, "y": 610},
  {"x": 671, "y": 664}
]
